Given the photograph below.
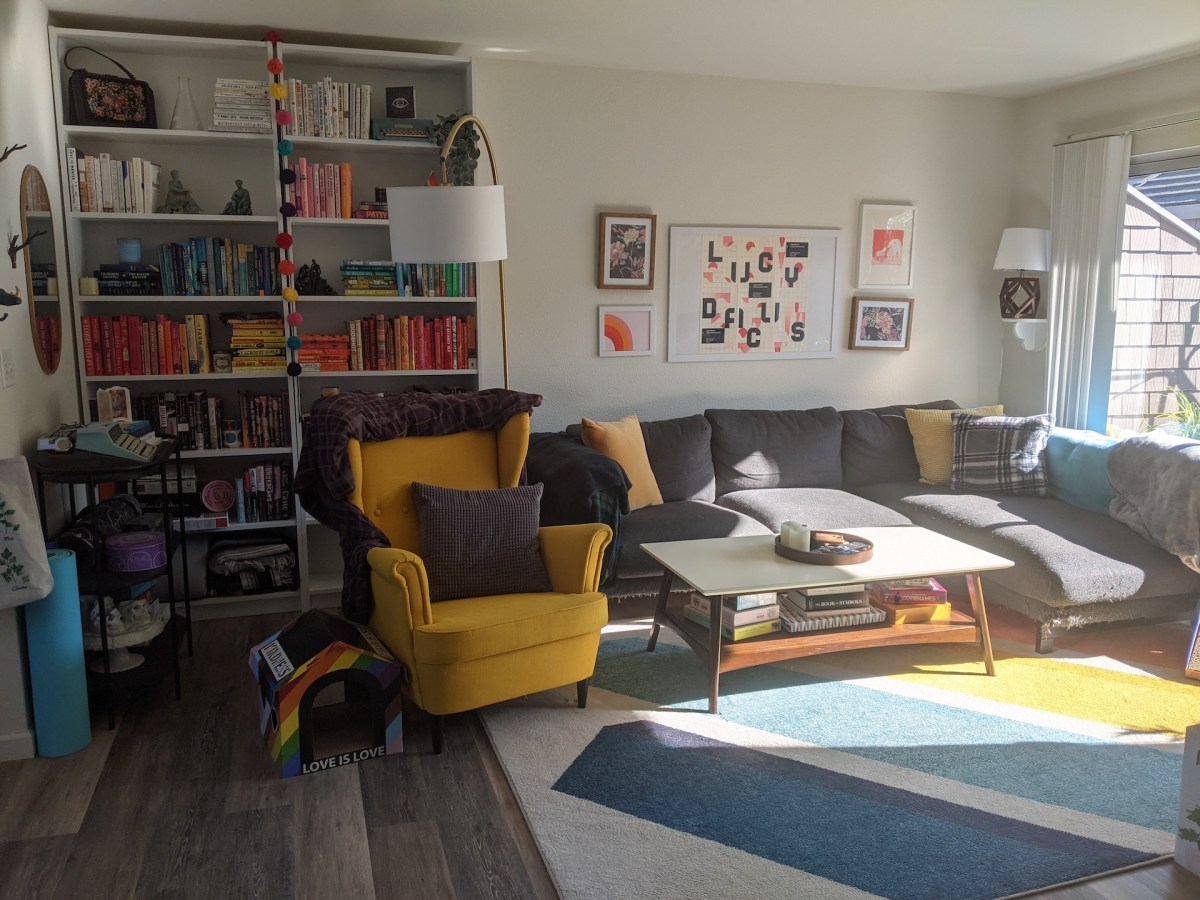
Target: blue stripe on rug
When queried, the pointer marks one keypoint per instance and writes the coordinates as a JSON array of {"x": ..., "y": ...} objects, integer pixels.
[
  {"x": 871, "y": 836},
  {"x": 1138, "y": 785}
]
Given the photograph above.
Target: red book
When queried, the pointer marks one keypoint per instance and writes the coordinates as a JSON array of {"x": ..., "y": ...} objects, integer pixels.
[
  {"x": 134, "y": 329},
  {"x": 109, "y": 366},
  {"x": 121, "y": 334},
  {"x": 164, "y": 353},
  {"x": 89, "y": 358}
]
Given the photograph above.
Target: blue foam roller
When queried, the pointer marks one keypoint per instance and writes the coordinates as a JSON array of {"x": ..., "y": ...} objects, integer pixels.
[{"x": 57, "y": 678}]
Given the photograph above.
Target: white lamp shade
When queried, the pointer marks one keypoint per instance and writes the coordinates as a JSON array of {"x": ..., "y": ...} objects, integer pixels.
[
  {"x": 447, "y": 224},
  {"x": 1024, "y": 249}
]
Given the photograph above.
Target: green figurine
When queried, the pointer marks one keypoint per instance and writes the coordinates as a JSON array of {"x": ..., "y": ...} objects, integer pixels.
[
  {"x": 178, "y": 199},
  {"x": 239, "y": 203}
]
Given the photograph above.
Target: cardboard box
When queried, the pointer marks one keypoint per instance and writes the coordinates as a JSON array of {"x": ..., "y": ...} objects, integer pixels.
[
  {"x": 1187, "y": 838},
  {"x": 912, "y": 615},
  {"x": 317, "y": 651}
]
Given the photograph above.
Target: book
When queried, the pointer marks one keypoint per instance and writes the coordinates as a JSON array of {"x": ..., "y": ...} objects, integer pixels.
[
  {"x": 800, "y": 624},
  {"x": 797, "y": 612},
  {"x": 734, "y": 618},
  {"x": 750, "y": 601},
  {"x": 914, "y": 614},
  {"x": 829, "y": 589},
  {"x": 933, "y": 593},
  {"x": 739, "y": 633},
  {"x": 851, "y": 600}
]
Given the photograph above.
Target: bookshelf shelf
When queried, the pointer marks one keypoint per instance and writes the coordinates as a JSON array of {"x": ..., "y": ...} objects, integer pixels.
[{"x": 208, "y": 163}]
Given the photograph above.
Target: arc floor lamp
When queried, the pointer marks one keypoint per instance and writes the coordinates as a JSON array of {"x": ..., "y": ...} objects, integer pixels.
[{"x": 453, "y": 224}]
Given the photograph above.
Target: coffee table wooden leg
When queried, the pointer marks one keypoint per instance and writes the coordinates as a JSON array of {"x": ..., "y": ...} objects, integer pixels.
[
  {"x": 714, "y": 651},
  {"x": 660, "y": 609},
  {"x": 975, "y": 589}
]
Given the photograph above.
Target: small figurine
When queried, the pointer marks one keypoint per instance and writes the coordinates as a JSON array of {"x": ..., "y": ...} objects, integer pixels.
[
  {"x": 178, "y": 199},
  {"x": 309, "y": 281},
  {"x": 239, "y": 203}
]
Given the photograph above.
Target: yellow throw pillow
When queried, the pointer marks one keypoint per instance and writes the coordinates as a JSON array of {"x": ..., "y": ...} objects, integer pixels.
[
  {"x": 933, "y": 439},
  {"x": 622, "y": 440}
]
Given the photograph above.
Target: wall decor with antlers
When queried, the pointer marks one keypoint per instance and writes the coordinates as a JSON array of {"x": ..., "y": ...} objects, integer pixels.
[
  {"x": 14, "y": 248},
  {"x": 12, "y": 149}
]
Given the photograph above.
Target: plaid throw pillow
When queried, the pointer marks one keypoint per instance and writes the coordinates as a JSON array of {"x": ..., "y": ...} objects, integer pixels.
[
  {"x": 479, "y": 543},
  {"x": 1000, "y": 453}
]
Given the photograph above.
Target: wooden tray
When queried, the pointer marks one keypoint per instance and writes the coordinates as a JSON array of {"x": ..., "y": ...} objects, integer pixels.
[{"x": 816, "y": 558}]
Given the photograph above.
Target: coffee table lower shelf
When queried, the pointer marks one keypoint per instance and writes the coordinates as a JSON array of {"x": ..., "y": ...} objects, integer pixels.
[{"x": 769, "y": 648}]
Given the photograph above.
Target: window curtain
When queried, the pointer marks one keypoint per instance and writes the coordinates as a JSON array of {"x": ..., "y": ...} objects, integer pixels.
[{"x": 1086, "y": 216}]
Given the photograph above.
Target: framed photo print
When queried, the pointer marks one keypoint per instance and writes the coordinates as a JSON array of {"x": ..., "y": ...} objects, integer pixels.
[
  {"x": 626, "y": 251},
  {"x": 751, "y": 293},
  {"x": 626, "y": 330},
  {"x": 885, "y": 246},
  {"x": 880, "y": 323}
]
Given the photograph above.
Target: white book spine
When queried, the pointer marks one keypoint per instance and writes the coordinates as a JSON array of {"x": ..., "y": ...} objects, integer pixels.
[{"x": 73, "y": 178}]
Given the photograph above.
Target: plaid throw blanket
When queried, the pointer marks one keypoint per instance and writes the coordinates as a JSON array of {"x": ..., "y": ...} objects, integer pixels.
[{"x": 324, "y": 480}]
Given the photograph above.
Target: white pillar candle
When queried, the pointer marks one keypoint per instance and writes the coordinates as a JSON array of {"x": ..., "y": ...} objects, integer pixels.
[{"x": 795, "y": 535}]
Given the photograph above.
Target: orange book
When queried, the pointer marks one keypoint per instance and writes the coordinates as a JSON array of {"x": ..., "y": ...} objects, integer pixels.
[
  {"x": 344, "y": 190},
  {"x": 911, "y": 615}
]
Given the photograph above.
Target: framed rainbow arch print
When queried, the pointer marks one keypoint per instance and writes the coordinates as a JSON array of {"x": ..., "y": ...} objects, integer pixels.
[{"x": 626, "y": 330}]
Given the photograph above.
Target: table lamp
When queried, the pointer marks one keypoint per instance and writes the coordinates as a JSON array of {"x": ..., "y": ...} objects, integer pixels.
[{"x": 1022, "y": 250}]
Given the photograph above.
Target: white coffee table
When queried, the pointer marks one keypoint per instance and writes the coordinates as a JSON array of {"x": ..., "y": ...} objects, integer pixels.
[{"x": 725, "y": 567}]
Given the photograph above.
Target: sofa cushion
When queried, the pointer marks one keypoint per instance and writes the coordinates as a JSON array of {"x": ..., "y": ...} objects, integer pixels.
[
  {"x": 1077, "y": 468},
  {"x": 479, "y": 543},
  {"x": 622, "y": 441},
  {"x": 759, "y": 448},
  {"x": 934, "y": 442},
  {"x": 816, "y": 507},
  {"x": 877, "y": 445},
  {"x": 680, "y": 454},
  {"x": 683, "y": 520},
  {"x": 1064, "y": 555},
  {"x": 999, "y": 453}
]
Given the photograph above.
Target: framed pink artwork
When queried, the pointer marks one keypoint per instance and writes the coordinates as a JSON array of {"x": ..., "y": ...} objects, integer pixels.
[
  {"x": 885, "y": 246},
  {"x": 626, "y": 330}
]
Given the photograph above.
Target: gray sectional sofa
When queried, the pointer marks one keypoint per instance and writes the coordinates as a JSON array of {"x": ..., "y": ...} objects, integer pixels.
[{"x": 737, "y": 472}]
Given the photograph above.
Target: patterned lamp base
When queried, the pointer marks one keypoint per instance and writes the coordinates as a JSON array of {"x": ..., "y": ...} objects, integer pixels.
[{"x": 1019, "y": 298}]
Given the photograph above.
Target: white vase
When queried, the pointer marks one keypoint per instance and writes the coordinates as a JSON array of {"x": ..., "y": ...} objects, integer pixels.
[{"x": 185, "y": 116}]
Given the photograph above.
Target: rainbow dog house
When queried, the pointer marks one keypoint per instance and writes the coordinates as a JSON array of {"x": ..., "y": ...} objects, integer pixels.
[{"x": 294, "y": 665}]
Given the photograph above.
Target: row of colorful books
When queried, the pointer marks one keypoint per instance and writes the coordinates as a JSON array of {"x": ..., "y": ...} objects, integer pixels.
[
  {"x": 402, "y": 343},
  {"x": 103, "y": 184},
  {"x": 241, "y": 105},
  {"x": 906, "y": 601},
  {"x": 369, "y": 278},
  {"x": 199, "y": 418},
  {"x": 257, "y": 341},
  {"x": 264, "y": 493},
  {"x": 202, "y": 266},
  {"x": 328, "y": 108},
  {"x": 322, "y": 190},
  {"x": 131, "y": 345}
]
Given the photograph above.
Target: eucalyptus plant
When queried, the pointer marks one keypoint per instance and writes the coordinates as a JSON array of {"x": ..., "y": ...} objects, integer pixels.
[{"x": 463, "y": 157}]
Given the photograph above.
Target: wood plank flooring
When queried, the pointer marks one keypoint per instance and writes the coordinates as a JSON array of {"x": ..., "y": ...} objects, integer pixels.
[{"x": 180, "y": 801}]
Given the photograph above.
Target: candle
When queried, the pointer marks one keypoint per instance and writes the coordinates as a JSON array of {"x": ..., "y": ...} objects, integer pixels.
[{"x": 795, "y": 535}]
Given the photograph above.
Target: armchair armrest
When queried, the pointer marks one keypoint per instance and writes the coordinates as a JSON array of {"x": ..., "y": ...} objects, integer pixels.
[
  {"x": 401, "y": 592},
  {"x": 572, "y": 555}
]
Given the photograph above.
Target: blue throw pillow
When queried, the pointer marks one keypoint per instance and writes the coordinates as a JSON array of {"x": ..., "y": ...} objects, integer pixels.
[{"x": 1077, "y": 466}]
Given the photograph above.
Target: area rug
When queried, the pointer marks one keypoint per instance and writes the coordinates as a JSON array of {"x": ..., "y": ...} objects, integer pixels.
[{"x": 898, "y": 772}]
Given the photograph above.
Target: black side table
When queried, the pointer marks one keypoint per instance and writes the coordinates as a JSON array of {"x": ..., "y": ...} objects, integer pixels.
[{"x": 79, "y": 467}]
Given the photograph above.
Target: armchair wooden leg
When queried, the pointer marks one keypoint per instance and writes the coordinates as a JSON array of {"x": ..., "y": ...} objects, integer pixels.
[
  {"x": 581, "y": 692},
  {"x": 1045, "y": 639},
  {"x": 437, "y": 734}
]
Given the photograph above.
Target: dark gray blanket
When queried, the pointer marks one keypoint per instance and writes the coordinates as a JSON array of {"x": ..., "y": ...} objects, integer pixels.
[{"x": 1156, "y": 478}]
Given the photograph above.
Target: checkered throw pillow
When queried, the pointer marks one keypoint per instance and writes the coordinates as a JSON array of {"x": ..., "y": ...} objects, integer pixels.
[
  {"x": 479, "y": 543},
  {"x": 1000, "y": 453}
]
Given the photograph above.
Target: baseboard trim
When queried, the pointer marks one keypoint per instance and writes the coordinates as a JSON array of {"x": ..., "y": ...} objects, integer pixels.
[{"x": 17, "y": 746}]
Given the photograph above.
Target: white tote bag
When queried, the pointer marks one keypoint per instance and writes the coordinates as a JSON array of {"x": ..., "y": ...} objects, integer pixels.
[{"x": 24, "y": 569}]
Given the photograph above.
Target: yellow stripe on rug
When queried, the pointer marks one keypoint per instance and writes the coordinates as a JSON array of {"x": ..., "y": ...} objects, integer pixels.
[{"x": 1133, "y": 703}]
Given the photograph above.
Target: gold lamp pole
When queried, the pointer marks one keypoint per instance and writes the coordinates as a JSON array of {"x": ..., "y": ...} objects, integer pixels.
[{"x": 444, "y": 153}]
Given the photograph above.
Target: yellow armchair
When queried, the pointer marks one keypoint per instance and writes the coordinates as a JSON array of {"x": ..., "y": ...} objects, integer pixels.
[{"x": 466, "y": 653}]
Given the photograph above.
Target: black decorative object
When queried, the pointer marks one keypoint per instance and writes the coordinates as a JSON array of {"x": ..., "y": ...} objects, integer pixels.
[
  {"x": 310, "y": 283},
  {"x": 12, "y": 149},
  {"x": 15, "y": 247},
  {"x": 7, "y": 299},
  {"x": 463, "y": 157}
]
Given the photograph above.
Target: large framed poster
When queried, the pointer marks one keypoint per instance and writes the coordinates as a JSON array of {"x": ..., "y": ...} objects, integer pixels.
[{"x": 751, "y": 293}]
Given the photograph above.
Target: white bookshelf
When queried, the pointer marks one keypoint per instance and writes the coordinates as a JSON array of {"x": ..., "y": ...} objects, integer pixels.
[{"x": 208, "y": 163}]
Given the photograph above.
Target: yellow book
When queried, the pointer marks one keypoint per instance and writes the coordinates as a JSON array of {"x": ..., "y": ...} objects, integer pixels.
[{"x": 912, "y": 615}]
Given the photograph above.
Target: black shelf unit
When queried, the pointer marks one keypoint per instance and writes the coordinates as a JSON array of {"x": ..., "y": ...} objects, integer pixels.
[{"x": 80, "y": 468}]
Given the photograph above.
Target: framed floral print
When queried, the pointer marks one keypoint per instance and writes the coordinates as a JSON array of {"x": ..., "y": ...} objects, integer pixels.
[
  {"x": 626, "y": 251},
  {"x": 880, "y": 323}
]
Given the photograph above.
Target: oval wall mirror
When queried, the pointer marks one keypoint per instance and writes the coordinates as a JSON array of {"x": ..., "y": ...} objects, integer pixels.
[{"x": 41, "y": 269}]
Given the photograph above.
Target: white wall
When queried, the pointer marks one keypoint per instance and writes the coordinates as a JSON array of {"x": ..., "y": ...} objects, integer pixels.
[
  {"x": 38, "y": 401},
  {"x": 1107, "y": 103},
  {"x": 572, "y": 141}
]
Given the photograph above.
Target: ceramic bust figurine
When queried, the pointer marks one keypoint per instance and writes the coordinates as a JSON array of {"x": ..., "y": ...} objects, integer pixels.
[
  {"x": 239, "y": 203},
  {"x": 178, "y": 199}
]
